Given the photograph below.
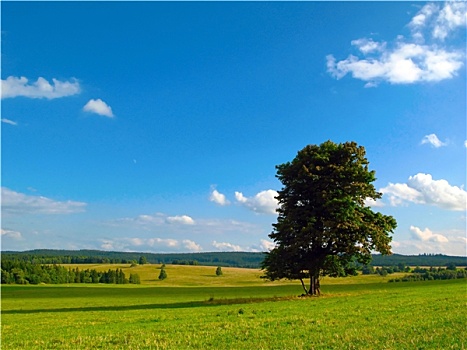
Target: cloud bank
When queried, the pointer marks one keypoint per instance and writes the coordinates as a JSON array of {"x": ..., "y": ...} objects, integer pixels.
[
  {"x": 150, "y": 244},
  {"x": 408, "y": 61},
  {"x": 20, "y": 86},
  {"x": 423, "y": 189},
  {"x": 15, "y": 203}
]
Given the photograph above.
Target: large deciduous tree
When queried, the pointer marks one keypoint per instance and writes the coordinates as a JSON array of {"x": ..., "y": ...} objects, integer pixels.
[{"x": 324, "y": 223}]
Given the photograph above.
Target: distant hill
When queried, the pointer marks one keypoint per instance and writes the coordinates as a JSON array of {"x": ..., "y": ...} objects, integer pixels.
[
  {"x": 418, "y": 260},
  {"x": 227, "y": 259}
]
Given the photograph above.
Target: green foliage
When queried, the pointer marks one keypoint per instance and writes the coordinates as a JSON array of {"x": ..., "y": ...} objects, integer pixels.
[
  {"x": 23, "y": 272},
  {"x": 142, "y": 260},
  {"x": 134, "y": 278},
  {"x": 219, "y": 271},
  {"x": 162, "y": 274},
  {"x": 185, "y": 262},
  {"x": 324, "y": 226},
  {"x": 430, "y": 274}
]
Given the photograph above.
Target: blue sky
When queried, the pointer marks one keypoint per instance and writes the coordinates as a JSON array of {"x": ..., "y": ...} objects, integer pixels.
[{"x": 156, "y": 126}]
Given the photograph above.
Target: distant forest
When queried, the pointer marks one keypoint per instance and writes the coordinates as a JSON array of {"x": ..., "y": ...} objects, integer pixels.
[{"x": 225, "y": 259}]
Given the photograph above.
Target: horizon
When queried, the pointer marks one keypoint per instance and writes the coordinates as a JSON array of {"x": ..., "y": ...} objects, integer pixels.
[
  {"x": 206, "y": 252},
  {"x": 157, "y": 126}
]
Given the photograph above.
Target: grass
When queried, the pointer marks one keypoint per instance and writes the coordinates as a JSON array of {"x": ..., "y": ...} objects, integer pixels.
[{"x": 353, "y": 313}]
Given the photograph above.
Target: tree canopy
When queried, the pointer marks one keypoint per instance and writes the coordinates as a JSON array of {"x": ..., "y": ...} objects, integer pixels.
[{"x": 324, "y": 223}]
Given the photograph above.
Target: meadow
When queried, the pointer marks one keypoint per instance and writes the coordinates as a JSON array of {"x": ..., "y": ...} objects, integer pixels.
[{"x": 195, "y": 309}]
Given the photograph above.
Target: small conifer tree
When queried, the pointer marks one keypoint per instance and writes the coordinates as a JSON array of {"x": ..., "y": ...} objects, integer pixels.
[
  {"x": 219, "y": 271},
  {"x": 163, "y": 274}
]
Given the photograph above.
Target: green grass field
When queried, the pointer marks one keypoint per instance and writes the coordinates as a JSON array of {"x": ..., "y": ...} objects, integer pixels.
[{"x": 194, "y": 309}]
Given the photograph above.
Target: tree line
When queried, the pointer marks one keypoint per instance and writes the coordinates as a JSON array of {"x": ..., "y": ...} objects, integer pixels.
[
  {"x": 225, "y": 259},
  {"x": 433, "y": 273},
  {"x": 51, "y": 256},
  {"x": 26, "y": 272}
]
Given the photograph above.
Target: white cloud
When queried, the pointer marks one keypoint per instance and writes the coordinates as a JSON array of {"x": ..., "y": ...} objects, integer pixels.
[
  {"x": 420, "y": 21},
  {"x": 180, "y": 219},
  {"x": 99, "y": 107},
  {"x": 218, "y": 198},
  {"x": 447, "y": 241},
  {"x": 11, "y": 234},
  {"x": 8, "y": 121},
  {"x": 15, "y": 87},
  {"x": 157, "y": 219},
  {"x": 16, "y": 203},
  {"x": 150, "y": 244},
  {"x": 224, "y": 246},
  {"x": 136, "y": 241},
  {"x": 451, "y": 17},
  {"x": 422, "y": 189},
  {"x": 368, "y": 45},
  {"x": 191, "y": 246},
  {"x": 400, "y": 193},
  {"x": 267, "y": 245},
  {"x": 407, "y": 62},
  {"x": 465, "y": 143},
  {"x": 167, "y": 242},
  {"x": 433, "y": 140},
  {"x": 107, "y": 245},
  {"x": 427, "y": 235},
  {"x": 263, "y": 202},
  {"x": 370, "y": 202}
]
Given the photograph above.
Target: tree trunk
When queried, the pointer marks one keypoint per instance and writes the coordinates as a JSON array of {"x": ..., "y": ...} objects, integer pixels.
[
  {"x": 304, "y": 288},
  {"x": 314, "y": 284}
]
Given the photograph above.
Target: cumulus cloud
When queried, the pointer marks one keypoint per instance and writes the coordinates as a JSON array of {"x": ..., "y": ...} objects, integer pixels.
[
  {"x": 99, "y": 107},
  {"x": 167, "y": 242},
  {"x": 20, "y": 86},
  {"x": 263, "y": 202},
  {"x": 370, "y": 202},
  {"x": 441, "y": 21},
  {"x": 433, "y": 140},
  {"x": 448, "y": 241},
  {"x": 191, "y": 245},
  {"x": 408, "y": 61},
  {"x": 11, "y": 234},
  {"x": 180, "y": 219},
  {"x": 423, "y": 189},
  {"x": 218, "y": 198},
  {"x": 225, "y": 246},
  {"x": 15, "y": 203},
  {"x": 8, "y": 121},
  {"x": 267, "y": 245},
  {"x": 427, "y": 235}
]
